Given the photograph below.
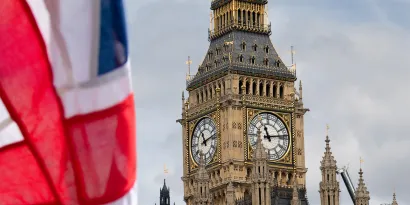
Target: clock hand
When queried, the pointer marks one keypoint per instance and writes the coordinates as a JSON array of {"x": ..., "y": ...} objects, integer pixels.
[
  {"x": 279, "y": 136},
  {"x": 212, "y": 136},
  {"x": 267, "y": 136},
  {"x": 204, "y": 142}
]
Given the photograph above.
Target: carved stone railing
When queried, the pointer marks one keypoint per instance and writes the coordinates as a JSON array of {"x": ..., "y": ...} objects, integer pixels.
[
  {"x": 238, "y": 25},
  {"x": 203, "y": 107}
]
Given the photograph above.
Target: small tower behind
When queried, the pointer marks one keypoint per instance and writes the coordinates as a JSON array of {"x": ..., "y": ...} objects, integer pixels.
[
  {"x": 260, "y": 175},
  {"x": 329, "y": 186},
  {"x": 164, "y": 197},
  {"x": 394, "y": 199},
  {"x": 362, "y": 195}
]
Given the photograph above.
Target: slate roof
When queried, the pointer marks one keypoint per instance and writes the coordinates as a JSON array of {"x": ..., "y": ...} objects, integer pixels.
[{"x": 250, "y": 54}]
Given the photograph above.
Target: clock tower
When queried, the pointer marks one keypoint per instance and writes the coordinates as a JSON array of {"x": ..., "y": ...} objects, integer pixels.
[{"x": 242, "y": 99}]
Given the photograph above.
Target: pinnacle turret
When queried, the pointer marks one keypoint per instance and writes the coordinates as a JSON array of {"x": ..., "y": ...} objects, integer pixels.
[
  {"x": 328, "y": 159},
  {"x": 394, "y": 199},
  {"x": 329, "y": 186},
  {"x": 259, "y": 153},
  {"x": 362, "y": 195}
]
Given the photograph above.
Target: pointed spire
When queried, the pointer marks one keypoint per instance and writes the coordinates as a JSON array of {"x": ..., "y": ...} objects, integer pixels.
[
  {"x": 394, "y": 199},
  {"x": 260, "y": 152},
  {"x": 300, "y": 90},
  {"x": 328, "y": 159},
  {"x": 361, "y": 191}
]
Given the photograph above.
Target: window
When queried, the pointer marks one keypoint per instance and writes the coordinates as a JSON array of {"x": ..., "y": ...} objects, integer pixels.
[
  {"x": 240, "y": 58},
  {"x": 268, "y": 90},
  {"x": 218, "y": 51},
  {"x": 209, "y": 56},
  {"x": 266, "y": 62},
  {"x": 261, "y": 89},
  {"x": 252, "y": 60},
  {"x": 267, "y": 49},
  {"x": 281, "y": 92},
  {"x": 216, "y": 63},
  {"x": 255, "y": 47},
  {"x": 277, "y": 63},
  {"x": 243, "y": 46},
  {"x": 240, "y": 87},
  {"x": 254, "y": 88}
]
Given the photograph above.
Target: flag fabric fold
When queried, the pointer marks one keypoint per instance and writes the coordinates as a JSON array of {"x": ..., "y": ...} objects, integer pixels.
[{"x": 65, "y": 81}]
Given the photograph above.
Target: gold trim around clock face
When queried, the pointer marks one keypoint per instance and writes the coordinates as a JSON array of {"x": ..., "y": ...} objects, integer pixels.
[
  {"x": 286, "y": 119},
  {"x": 192, "y": 126}
]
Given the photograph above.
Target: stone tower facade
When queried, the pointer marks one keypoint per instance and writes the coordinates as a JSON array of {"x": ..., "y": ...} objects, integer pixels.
[
  {"x": 362, "y": 195},
  {"x": 329, "y": 186},
  {"x": 243, "y": 88}
]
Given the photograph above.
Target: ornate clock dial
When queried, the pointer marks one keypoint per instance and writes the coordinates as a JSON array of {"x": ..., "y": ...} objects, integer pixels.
[
  {"x": 204, "y": 139},
  {"x": 274, "y": 134}
]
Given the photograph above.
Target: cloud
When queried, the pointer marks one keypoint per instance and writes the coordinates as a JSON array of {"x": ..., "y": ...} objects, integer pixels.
[{"x": 352, "y": 57}]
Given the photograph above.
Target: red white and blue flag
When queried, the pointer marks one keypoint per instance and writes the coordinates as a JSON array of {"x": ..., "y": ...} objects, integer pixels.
[{"x": 67, "y": 127}]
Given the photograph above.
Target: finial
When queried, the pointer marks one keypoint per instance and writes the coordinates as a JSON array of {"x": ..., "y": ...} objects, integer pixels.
[
  {"x": 327, "y": 129},
  {"x": 189, "y": 62},
  {"x": 165, "y": 170},
  {"x": 292, "y": 54},
  {"x": 361, "y": 161}
]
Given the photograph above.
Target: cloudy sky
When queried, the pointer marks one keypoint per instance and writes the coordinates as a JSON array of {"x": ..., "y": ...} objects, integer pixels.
[{"x": 353, "y": 58}]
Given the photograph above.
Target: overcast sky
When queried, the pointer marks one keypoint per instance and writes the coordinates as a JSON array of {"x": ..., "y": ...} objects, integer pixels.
[{"x": 353, "y": 58}]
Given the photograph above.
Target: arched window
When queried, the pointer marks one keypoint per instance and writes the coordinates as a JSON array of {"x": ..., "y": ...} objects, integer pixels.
[
  {"x": 281, "y": 92},
  {"x": 240, "y": 87},
  {"x": 248, "y": 87},
  {"x": 268, "y": 90},
  {"x": 266, "y": 62},
  {"x": 202, "y": 96},
  {"x": 239, "y": 16},
  {"x": 255, "y": 47},
  {"x": 243, "y": 46},
  {"x": 254, "y": 88},
  {"x": 252, "y": 60},
  {"x": 211, "y": 92},
  {"x": 277, "y": 63},
  {"x": 260, "y": 88},
  {"x": 197, "y": 98},
  {"x": 240, "y": 58},
  {"x": 267, "y": 49},
  {"x": 275, "y": 89}
]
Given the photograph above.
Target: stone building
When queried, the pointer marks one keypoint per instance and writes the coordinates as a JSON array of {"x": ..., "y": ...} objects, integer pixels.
[
  {"x": 243, "y": 120},
  {"x": 164, "y": 195}
]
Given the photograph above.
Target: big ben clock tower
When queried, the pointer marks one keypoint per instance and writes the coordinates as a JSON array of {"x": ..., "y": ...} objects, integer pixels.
[{"x": 242, "y": 124}]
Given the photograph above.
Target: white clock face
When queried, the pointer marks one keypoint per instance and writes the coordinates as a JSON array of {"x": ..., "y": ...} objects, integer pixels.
[
  {"x": 274, "y": 134},
  {"x": 204, "y": 139}
]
